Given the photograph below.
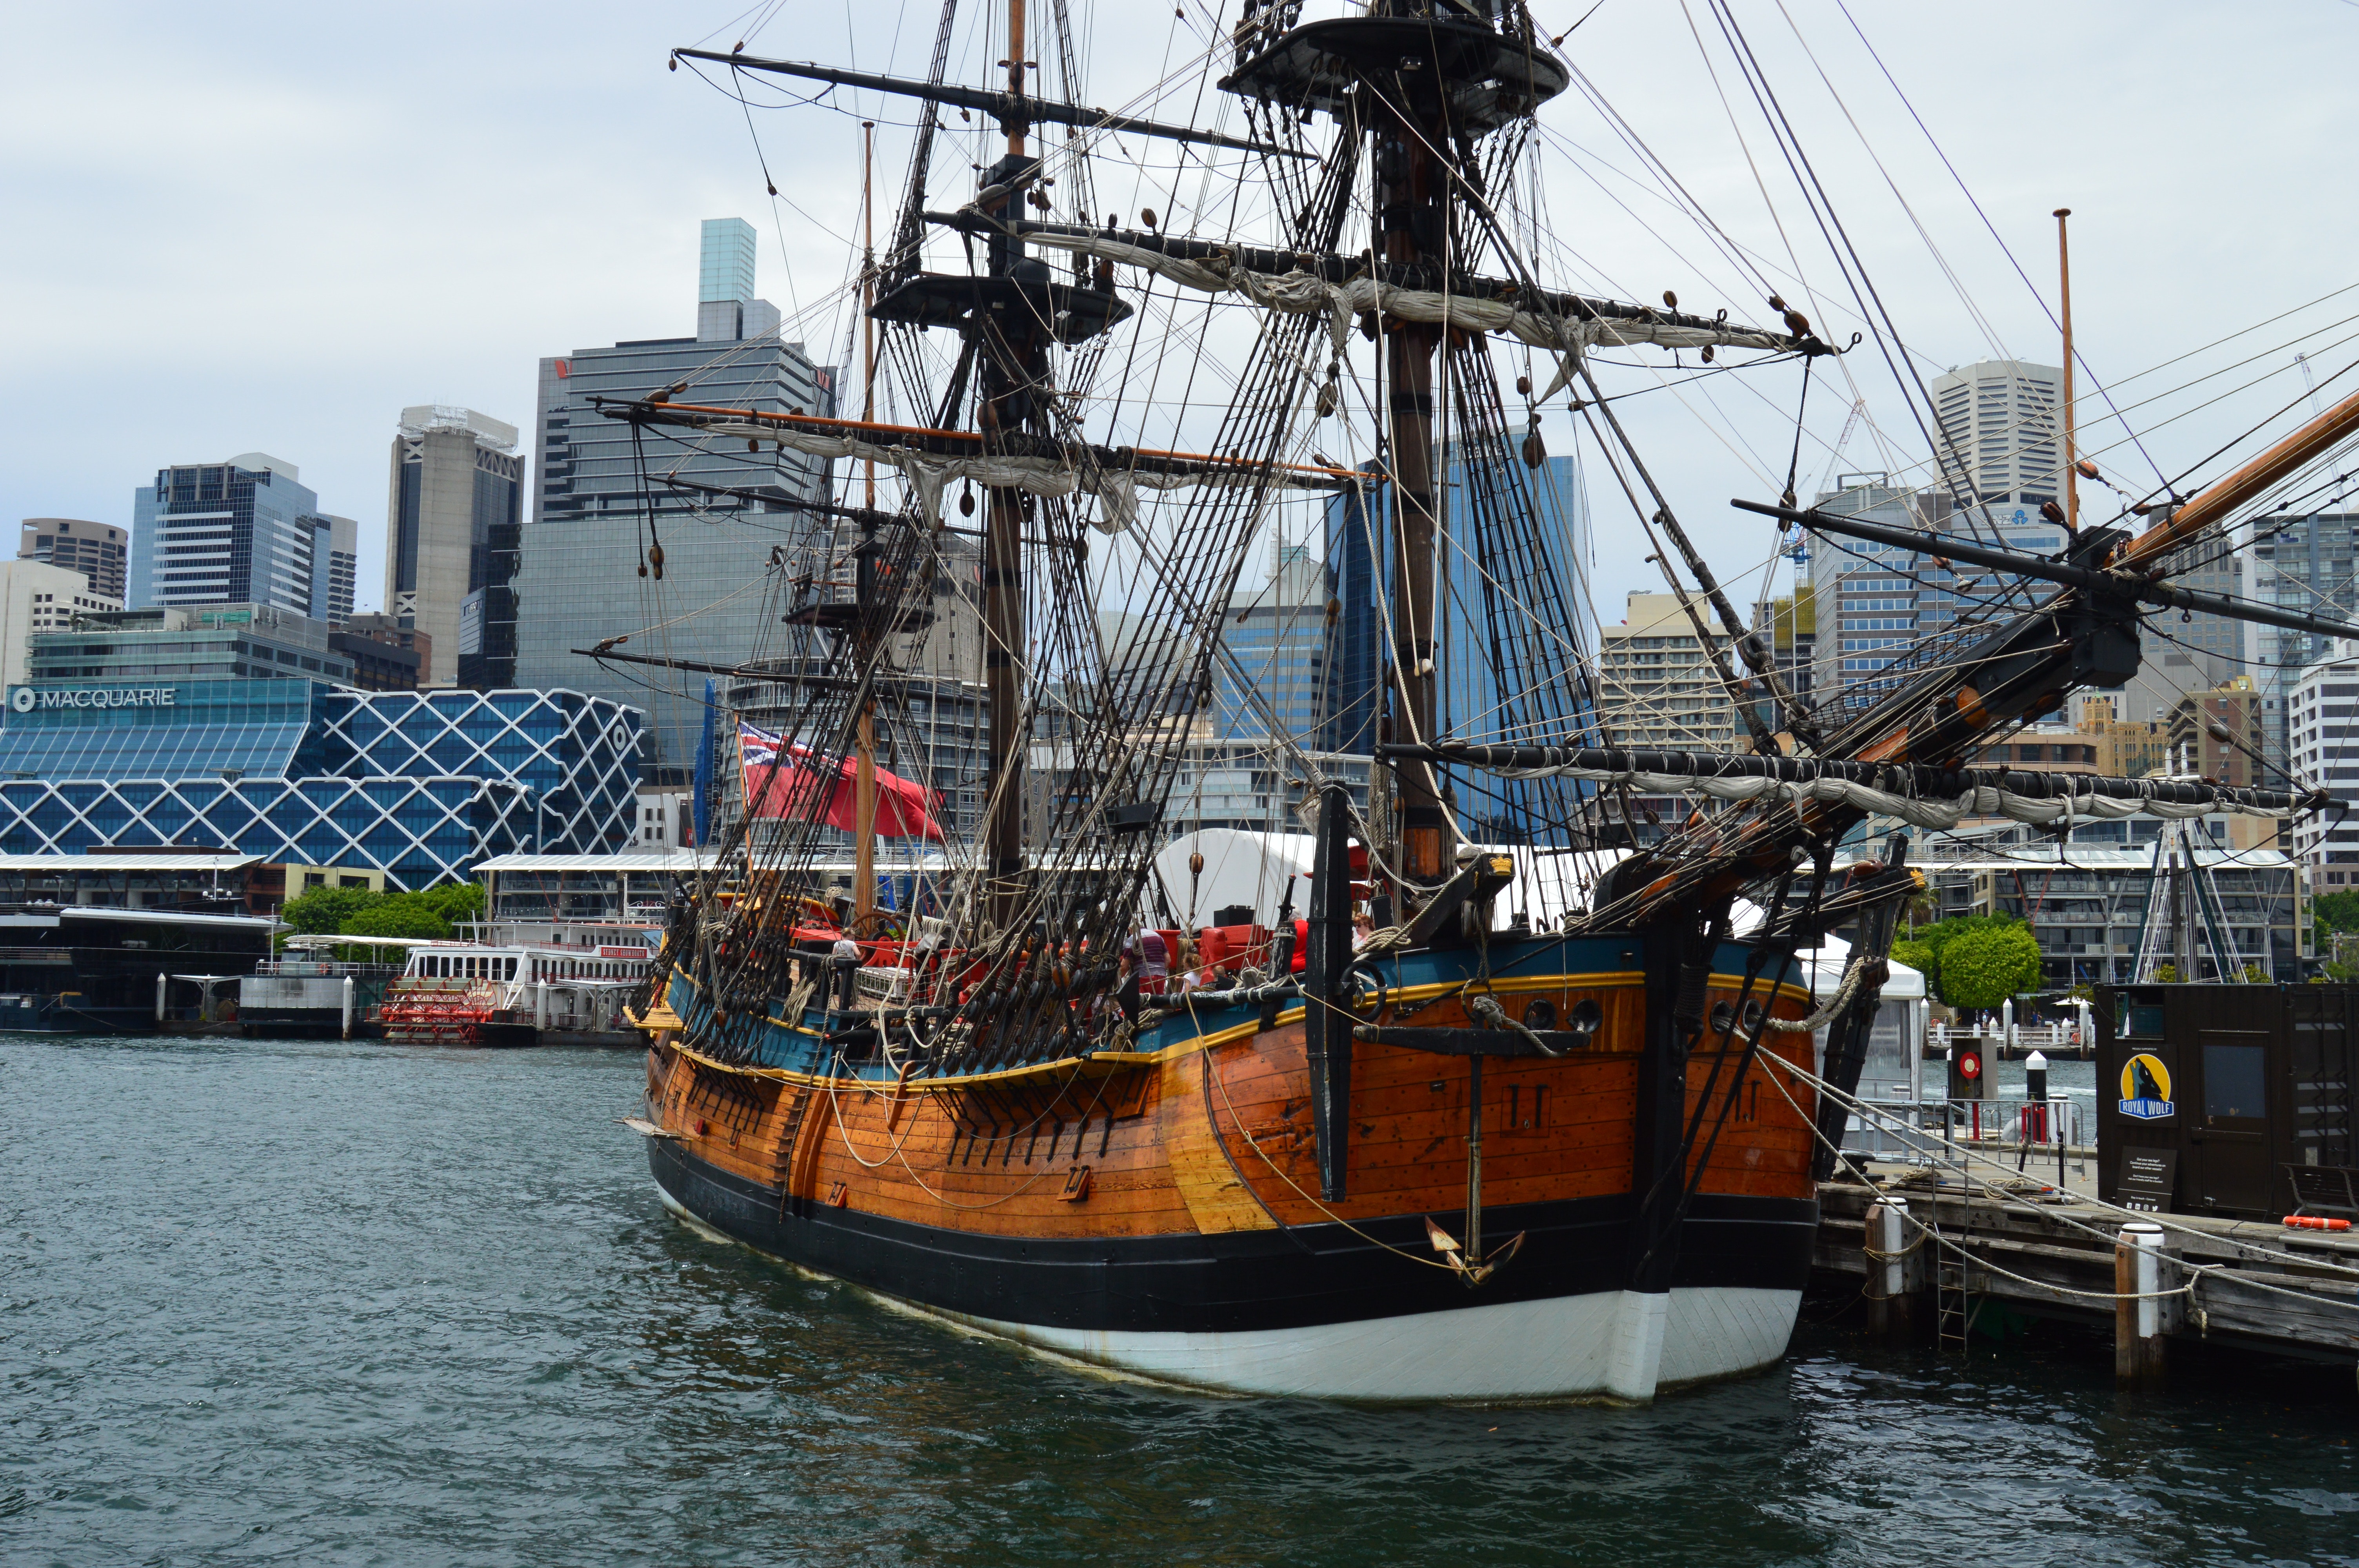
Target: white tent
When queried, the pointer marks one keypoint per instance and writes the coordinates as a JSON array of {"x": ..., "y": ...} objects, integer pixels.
[{"x": 1252, "y": 868}]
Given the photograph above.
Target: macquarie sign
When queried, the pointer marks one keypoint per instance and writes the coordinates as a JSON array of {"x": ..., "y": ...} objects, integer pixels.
[{"x": 26, "y": 699}]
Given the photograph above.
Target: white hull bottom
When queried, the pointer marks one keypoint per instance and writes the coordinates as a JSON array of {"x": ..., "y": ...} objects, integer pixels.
[{"x": 1615, "y": 1346}]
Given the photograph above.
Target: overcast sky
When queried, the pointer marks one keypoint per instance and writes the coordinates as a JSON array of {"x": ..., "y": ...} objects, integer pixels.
[{"x": 242, "y": 227}]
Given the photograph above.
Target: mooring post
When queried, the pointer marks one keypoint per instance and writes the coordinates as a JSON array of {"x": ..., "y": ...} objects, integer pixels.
[
  {"x": 1885, "y": 1238},
  {"x": 2138, "y": 1343}
]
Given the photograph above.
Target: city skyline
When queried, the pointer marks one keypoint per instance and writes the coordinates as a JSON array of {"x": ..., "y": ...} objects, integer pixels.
[{"x": 371, "y": 303}]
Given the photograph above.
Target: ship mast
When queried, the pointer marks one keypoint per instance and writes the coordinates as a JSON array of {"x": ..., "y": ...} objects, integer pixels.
[
  {"x": 1009, "y": 366},
  {"x": 2072, "y": 455},
  {"x": 1413, "y": 222},
  {"x": 863, "y": 828}
]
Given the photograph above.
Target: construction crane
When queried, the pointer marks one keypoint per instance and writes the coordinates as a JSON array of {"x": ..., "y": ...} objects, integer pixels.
[
  {"x": 1834, "y": 457},
  {"x": 1797, "y": 549},
  {"x": 2308, "y": 382}
]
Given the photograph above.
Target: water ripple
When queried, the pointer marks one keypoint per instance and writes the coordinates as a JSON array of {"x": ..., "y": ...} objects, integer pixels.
[{"x": 328, "y": 1303}]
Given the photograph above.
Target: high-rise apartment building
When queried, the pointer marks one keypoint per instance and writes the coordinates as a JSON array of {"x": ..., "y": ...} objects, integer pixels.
[
  {"x": 1657, "y": 688},
  {"x": 578, "y": 578},
  {"x": 2305, "y": 564},
  {"x": 455, "y": 510},
  {"x": 100, "y": 552},
  {"x": 246, "y": 531},
  {"x": 337, "y": 585},
  {"x": 1998, "y": 420},
  {"x": 2322, "y": 725}
]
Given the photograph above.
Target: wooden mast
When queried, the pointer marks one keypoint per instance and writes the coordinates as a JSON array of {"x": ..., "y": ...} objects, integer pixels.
[
  {"x": 1413, "y": 225},
  {"x": 864, "y": 797},
  {"x": 1008, "y": 365},
  {"x": 2071, "y": 455}
]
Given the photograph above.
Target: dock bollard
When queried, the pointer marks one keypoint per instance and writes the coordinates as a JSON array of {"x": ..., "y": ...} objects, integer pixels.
[
  {"x": 2138, "y": 1343},
  {"x": 1889, "y": 1297}
]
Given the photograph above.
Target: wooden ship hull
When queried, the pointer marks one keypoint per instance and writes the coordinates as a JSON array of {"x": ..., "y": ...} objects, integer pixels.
[
  {"x": 1459, "y": 1162},
  {"x": 1156, "y": 1209}
]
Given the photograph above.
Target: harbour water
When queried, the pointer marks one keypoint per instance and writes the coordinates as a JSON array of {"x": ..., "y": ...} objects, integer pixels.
[{"x": 313, "y": 1303}]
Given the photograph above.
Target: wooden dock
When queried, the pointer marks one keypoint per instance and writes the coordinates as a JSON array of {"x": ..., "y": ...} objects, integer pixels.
[{"x": 2037, "y": 1250}]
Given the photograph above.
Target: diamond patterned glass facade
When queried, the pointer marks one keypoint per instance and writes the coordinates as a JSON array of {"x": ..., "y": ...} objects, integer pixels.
[{"x": 421, "y": 785}]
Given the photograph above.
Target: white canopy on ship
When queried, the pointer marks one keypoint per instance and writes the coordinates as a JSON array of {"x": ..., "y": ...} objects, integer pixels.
[{"x": 1249, "y": 868}]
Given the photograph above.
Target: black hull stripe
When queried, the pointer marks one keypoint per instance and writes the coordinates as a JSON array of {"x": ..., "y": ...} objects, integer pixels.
[{"x": 1238, "y": 1282}]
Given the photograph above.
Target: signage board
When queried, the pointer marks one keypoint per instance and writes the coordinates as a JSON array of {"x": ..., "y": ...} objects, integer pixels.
[
  {"x": 2148, "y": 1178},
  {"x": 26, "y": 698},
  {"x": 2146, "y": 1089}
]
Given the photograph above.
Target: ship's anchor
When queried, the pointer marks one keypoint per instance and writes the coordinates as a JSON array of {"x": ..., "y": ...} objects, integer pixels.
[
  {"x": 1455, "y": 1254},
  {"x": 1471, "y": 1265}
]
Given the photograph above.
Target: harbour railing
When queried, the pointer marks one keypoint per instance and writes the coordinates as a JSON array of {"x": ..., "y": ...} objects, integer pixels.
[{"x": 1946, "y": 1131}]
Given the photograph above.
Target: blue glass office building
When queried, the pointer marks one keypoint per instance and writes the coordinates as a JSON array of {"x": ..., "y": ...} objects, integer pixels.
[
  {"x": 418, "y": 785},
  {"x": 577, "y": 579},
  {"x": 1277, "y": 676},
  {"x": 1522, "y": 685},
  {"x": 1473, "y": 596},
  {"x": 244, "y": 531}
]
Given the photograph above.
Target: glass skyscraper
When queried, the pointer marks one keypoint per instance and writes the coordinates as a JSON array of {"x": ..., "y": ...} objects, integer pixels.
[
  {"x": 1279, "y": 644},
  {"x": 594, "y": 516},
  {"x": 1475, "y": 593},
  {"x": 241, "y": 532},
  {"x": 1522, "y": 686}
]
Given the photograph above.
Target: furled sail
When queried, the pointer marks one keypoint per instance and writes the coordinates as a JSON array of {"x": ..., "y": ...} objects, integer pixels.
[
  {"x": 1922, "y": 796},
  {"x": 931, "y": 461},
  {"x": 1301, "y": 292}
]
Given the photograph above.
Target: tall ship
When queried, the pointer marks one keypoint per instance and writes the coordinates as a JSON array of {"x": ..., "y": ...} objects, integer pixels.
[{"x": 1511, "y": 1089}]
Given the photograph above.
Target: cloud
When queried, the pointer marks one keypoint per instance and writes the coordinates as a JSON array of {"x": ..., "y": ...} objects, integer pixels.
[{"x": 272, "y": 227}]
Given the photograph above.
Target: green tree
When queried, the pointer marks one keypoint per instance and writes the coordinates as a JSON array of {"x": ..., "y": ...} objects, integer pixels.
[
  {"x": 2336, "y": 911},
  {"x": 456, "y": 903},
  {"x": 322, "y": 911},
  {"x": 410, "y": 915},
  {"x": 1984, "y": 967},
  {"x": 1923, "y": 958}
]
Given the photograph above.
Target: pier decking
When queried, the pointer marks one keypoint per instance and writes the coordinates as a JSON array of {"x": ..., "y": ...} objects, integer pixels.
[{"x": 2049, "y": 1253}]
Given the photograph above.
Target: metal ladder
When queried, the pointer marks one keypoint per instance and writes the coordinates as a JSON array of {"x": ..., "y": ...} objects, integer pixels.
[{"x": 1952, "y": 1304}]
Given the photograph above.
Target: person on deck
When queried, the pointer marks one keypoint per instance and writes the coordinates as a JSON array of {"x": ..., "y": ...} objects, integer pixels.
[
  {"x": 1153, "y": 962},
  {"x": 845, "y": 956},
  {"x": 1125, "y": 996}
]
